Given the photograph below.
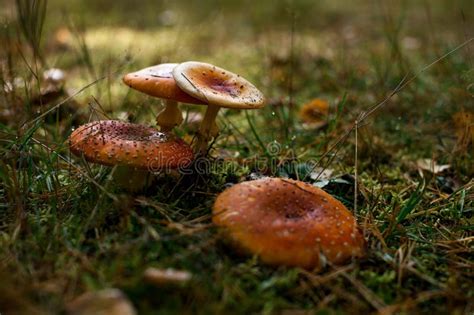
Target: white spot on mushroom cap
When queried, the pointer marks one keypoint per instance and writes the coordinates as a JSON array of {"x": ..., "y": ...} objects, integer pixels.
[{"x": 113, "y": 142}]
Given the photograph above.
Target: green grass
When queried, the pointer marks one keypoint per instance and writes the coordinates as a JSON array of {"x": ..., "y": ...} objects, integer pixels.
[{"x": 65, "y": 228}]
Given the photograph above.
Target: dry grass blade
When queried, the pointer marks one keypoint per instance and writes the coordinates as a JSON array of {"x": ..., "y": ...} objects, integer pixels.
[
  {"x": 366, "y": 293},
  {"x": 31, "y": 17}
]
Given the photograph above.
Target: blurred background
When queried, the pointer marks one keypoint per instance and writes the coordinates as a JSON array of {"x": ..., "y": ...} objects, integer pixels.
[
  {"x": 320, "y": 64},
  {"x": 294, "y": 51}
]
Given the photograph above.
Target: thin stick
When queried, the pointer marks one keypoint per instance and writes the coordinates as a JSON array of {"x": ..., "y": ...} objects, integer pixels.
[
  {"x": 290, "y": 120},
  {"x": 356, "y": 186}
]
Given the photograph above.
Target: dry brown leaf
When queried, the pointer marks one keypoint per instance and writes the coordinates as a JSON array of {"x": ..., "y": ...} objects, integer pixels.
[{"x": 314, "y": 114}]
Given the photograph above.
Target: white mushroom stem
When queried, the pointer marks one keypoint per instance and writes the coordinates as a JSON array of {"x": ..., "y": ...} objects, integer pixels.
[
  {"x": 169, "y": 117},
  {"x": 208, "y": 129}
]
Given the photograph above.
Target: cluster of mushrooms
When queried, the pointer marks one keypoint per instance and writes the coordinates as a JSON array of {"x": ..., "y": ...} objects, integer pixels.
[{"x": 283, "y": 221}]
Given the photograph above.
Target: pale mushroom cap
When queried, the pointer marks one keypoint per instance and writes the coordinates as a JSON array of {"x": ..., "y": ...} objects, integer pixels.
[
  {"x": 111, "y": 142},
  {"x": 217, "y": 86},
  {"x": 288, "y": 222},
  {"x": 158, "y": 81}
]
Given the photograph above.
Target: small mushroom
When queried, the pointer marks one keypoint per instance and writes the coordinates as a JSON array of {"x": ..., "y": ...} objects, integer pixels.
[
  {"x": 218, "y": 88},
  {"x": 158, "y": 81},
  {"x": 133, "y": 146},
  {"x": 288, "y": 222}
]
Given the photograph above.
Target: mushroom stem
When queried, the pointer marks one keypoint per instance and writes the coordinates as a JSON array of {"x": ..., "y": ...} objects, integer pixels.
[
  {"x": 208, "y": 129},
  {"x": 130, "y": 178},
  {"x": 169, "y": 117}
]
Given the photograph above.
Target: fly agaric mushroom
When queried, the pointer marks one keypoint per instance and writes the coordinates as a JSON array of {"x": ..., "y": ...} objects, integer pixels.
[
  {"x": 288, "y": 222},
  {"x": 132, "y": 146},
  {"x": 218, "y": 88},
  {"x": 158, "y": 81}
]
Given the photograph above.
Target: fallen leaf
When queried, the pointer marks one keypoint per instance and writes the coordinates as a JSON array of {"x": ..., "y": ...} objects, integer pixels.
[
  {"x": 431, "y": 166},
  {"x": 320, "y": 173},
  {"x": 314, "y": 114}
]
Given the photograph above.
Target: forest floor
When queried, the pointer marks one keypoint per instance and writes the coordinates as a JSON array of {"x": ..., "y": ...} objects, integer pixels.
[{"x": 66, "y": 228}]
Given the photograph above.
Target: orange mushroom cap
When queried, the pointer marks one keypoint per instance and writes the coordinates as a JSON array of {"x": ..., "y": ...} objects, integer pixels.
[
  {"x": 158, "y": 81},
  {"x": 111, "y": 142},
  {"x": 288, "y": 222},
  {"x": 217, "y": 86}
]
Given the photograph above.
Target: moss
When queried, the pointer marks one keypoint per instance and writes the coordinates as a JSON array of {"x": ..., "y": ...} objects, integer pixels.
[{"x": 66, "y": 229}]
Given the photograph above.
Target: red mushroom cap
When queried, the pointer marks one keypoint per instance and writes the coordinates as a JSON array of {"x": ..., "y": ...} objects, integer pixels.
[
  {"x": 288, "y": 222},
  {"x": 158, "y": 81},
  {"x": 111, "y": 142}
]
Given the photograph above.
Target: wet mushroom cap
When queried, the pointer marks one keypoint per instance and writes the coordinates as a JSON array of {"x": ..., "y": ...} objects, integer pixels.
[
  {"x": 111, "y": 142},
  {"x": 158, "y": 81},
  {"x": 217, "y": 86},
  {"x": 288, "y": 222}
]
